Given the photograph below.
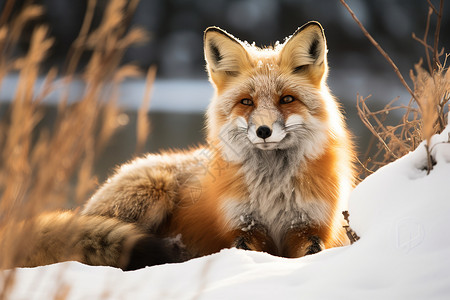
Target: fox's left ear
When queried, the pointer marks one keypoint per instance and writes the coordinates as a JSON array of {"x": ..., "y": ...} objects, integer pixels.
[{"x": 306, "y": 51}]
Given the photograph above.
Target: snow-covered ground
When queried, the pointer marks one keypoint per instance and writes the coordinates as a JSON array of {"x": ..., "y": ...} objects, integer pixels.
[{"x": 401, "y": 214}]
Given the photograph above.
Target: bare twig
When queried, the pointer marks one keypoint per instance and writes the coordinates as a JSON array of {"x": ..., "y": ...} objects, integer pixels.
[
  {"x": 386, "y": 56},
  {"x": 424, "y": 40},
  {"x": 430, "y": 161},
  {"x": 363, "y": 111},
  {"x": 352, "y": 236},
  {"x": 436, "y": 33},
  {"x": 432, "y": 6}
]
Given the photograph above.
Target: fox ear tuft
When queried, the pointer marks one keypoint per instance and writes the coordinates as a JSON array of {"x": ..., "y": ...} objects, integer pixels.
[
  {"x": 306, "y": 49},
  {"x": 225, "y": 55}
]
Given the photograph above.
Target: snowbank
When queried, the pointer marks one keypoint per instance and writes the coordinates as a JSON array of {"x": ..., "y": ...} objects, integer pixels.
[{"x": 401, "y": 214}]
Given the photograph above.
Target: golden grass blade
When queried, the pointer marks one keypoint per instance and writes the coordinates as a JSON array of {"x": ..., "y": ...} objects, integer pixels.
[
  {"x": 143, "y": 123},
  {"x": 53, "y": 168}
]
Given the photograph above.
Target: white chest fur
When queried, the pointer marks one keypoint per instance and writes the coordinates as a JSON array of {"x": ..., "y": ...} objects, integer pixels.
[
  {"x": 277, "y": 215},
  {"x": 273, "y": 199}
]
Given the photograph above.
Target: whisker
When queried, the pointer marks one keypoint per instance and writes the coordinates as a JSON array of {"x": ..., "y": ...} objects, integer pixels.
[
  {"x": 294, "y": 126},
  {"x": 237, "y": 133}
]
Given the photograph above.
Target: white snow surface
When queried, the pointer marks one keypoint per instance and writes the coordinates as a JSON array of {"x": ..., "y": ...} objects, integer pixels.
[{"x": 401, "y": 213}]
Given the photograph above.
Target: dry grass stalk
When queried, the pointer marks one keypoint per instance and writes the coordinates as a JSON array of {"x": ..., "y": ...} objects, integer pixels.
[
  {"x": 425, "y": 114},
  {"x": 38, "y": 169},
  {"x": 143, "y": 123},
  {"x": 7, "y": 282},
  {"x": 432, "y": 95}
]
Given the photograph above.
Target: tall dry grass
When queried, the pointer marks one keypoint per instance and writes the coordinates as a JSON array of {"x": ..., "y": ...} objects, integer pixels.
[
  {"x": 427, "y": 111},
  {"x": 42, "y": 170}
]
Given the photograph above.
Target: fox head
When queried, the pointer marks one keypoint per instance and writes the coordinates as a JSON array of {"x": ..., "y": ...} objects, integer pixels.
[{"x": 268, "y": 99}]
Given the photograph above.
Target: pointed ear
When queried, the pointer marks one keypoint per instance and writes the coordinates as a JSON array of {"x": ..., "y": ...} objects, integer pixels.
[
  {"x": 306, "y": 51},
  {"x": 225, "y": 56}
]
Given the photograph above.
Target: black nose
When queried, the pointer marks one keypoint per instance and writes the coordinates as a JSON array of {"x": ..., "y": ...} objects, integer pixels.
[{"x": 263, "y": 132}]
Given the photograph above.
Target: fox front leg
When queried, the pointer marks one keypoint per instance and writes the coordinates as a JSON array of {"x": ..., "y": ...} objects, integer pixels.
[
  {"x": 301, "y": 240},
  {"x": 253, "y": 236}
]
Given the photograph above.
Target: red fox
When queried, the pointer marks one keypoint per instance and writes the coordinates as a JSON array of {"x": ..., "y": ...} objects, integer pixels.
[
  {"x": 277, "y": 168},
  {"x": 274, "y": 174}
]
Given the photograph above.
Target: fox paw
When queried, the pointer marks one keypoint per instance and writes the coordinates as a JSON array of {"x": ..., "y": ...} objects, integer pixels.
[
  {"x": 255, "y": 241},
  {"x": 241, "y": 243},
  {"x": 315, "y": 246}
]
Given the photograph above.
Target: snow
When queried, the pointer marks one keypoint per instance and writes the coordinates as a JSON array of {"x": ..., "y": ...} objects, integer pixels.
[{"x": 401, "y": 214}]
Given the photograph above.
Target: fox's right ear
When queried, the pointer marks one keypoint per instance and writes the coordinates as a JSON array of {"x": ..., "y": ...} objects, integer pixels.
[{"x": 225, "y": 56}]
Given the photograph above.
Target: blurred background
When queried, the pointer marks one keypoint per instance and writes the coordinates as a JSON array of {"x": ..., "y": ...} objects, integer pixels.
[{"x": 181, "y": 91}]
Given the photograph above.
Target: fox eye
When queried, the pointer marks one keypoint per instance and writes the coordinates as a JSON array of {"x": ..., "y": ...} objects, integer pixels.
[
  {"x": 286, "y": 99},
  {"x": 246, "y": 101}
]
